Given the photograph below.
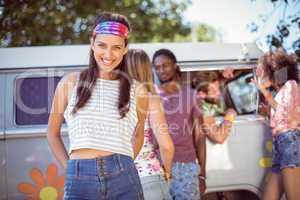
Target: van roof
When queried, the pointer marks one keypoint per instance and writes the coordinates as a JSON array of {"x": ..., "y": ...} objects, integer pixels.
[{"x": 77, "y": 55}]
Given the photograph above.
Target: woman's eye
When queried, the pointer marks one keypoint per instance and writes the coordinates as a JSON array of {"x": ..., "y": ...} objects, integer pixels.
[
  {"x": 118, "y": 48},
  {"x": 100, "y": 45}
]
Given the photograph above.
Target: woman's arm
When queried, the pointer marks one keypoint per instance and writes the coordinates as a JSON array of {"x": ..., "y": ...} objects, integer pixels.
[
  {"x": 56, "y": 118},
  {"x": 262, "y": 86},
  {"x": 269, "y": 97},
  {"x": 142, "y": 110},
  {"x": 160, "y": 129}
]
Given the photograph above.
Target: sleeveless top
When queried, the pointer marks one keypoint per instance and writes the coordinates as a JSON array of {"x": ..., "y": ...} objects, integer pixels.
[
  {"x": 98, "y": 124},
  {"x": 180, "y": 109},
  {"x": 287, "y": 101},
  {"x": 147, "y": 162}
]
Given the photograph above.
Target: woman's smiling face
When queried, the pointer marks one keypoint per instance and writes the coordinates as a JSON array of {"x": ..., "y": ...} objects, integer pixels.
[{"x": 108, "y": 51}]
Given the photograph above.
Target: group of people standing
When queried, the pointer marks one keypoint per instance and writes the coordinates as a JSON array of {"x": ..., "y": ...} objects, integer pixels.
[{"x": 128, "y": 138}]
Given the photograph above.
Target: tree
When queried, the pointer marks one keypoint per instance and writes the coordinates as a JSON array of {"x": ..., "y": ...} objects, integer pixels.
[
  {"x": 279, "y": 28},
  {"x": 205, "y": 32},
  {"x": 49, "y": 22}
]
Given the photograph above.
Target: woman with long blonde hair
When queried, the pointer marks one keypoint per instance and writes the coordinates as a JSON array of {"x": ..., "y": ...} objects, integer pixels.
[{"x": 153, "y": 175}]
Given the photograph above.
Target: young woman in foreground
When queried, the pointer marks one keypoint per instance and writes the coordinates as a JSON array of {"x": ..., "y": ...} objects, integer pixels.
[{"x": 103, "y": 108}]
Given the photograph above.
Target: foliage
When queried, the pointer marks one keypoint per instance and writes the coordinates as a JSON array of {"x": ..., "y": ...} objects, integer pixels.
[
  {"x": 279, "y": 28},
  {"x": 57, "y": 22},
  {"x": 205, "y": 33}
]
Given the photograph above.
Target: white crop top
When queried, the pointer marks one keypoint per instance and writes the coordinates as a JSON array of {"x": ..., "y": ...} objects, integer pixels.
[{"x": 98, "y": 125}]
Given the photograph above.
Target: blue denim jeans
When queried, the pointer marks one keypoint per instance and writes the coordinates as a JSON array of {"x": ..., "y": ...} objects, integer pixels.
[
  {"x": 286, "y": 151},
  {"x": 185, "y": 181},
  {"x": 155, "y": 188},
  {"x": 112, "y": 177}
]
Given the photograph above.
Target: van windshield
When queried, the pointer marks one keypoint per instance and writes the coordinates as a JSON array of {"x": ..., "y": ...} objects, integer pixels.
[{"x": 243, "y": 94}]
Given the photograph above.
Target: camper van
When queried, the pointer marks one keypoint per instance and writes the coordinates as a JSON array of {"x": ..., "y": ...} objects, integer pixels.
[{"x": 29, "y": 75}]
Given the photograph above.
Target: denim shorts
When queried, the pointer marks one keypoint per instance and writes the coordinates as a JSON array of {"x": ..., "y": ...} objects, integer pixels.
[
  {"x": 155, "y": 188},
  {"x": 185, "y": 181},
  {"x": 286, "y": 151},
  {"x": 111, "y": 177}
]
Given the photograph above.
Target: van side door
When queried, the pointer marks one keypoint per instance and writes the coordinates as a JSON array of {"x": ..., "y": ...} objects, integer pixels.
[{"x": 243, "y": 161}]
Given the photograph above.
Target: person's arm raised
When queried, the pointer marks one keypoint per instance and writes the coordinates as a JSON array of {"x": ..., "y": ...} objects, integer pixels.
[{"x": 262, "y": 86}]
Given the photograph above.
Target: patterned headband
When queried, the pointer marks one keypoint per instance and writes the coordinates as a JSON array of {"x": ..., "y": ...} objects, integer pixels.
[{"x": 111, "y": 27}]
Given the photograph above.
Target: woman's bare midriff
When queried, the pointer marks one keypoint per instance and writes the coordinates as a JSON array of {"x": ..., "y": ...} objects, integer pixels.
[{"x": 88, "y": 154}]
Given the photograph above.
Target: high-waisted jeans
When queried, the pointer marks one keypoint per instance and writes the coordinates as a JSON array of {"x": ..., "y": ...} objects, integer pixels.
[{"x": 112, "y": 177}]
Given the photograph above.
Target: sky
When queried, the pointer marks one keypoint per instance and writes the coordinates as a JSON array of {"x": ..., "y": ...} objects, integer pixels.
[{"x": 229, "y": 17}]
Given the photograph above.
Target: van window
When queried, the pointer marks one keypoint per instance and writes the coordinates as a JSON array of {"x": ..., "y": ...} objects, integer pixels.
[
  {"x": 237, "y": 93},
  {"x": 243, "y": 94},
  {"x": 33, "y": 99}
]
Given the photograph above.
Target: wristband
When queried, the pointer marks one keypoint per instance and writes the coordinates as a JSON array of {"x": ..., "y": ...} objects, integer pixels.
[{"x": 230, "y": 118}]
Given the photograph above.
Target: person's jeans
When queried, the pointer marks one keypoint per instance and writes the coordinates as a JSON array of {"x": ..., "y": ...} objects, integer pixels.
[
  {"x": 155, "y": 188},
  {"x": 185, "y": 181},
  {"x": 286, "y": 151},
  {"x": 112, "y": 177}
]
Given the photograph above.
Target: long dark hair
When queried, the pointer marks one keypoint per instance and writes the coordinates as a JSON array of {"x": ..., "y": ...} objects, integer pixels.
[
  {"x": 88, "y": 77},
  {"x": 274, "y": 61}
]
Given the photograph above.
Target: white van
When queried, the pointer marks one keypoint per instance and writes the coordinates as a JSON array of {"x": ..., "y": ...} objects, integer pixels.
[{"x": 29, "y": 75}]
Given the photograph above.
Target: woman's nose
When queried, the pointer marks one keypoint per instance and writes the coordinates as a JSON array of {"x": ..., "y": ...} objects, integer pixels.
[{"x": 108, "y": 54}]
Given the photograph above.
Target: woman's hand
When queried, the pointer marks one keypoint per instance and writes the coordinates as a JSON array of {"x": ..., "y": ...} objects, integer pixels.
[
  {"x": 261, "y": 83},
  {"x": 167, "y": 176},
  {"x": 202, "y": 185}
]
